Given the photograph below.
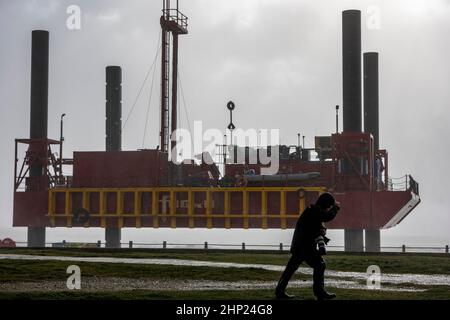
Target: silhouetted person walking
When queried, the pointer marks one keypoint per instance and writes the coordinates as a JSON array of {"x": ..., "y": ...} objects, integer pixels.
[{"x": 308, "y": 245}]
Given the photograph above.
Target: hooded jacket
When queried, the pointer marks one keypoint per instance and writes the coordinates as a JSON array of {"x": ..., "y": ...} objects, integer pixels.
[{"x": 308, "y": 228}]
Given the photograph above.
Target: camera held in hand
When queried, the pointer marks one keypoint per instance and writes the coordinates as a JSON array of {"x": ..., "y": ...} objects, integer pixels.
[{"x": 321, "y": 243}]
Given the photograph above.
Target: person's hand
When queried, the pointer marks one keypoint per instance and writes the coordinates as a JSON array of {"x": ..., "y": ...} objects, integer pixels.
[
  {"x": 320, "y": 241},
  {"x": 335, "y": 209},
  {"x": 322, "y": 251}
]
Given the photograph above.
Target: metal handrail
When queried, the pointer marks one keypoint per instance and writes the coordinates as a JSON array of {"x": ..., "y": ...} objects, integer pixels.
[
  {"x": 404, "y": 183},
  {"x": 176, "y": 16},
  {"x": 246, "y": 246}
]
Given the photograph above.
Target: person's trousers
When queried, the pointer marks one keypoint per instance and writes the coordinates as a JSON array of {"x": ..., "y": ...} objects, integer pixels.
[{"x": 315, "y": 261}]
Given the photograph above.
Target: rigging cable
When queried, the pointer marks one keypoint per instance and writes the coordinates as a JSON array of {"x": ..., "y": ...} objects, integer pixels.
[
  {"x": 143, "y": 83},
  {"x": 148, "y": 106},
  {"x": 184, "y": 103},
  {"x": 185, "y": 111}
]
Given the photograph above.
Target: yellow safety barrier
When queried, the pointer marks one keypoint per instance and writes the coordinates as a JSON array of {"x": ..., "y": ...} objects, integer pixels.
[{"x": 170, "y": 196}]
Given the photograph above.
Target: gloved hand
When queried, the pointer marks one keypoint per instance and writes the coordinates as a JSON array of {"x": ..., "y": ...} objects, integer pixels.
[
  {"x": 335, "y": 209},
  {"x": 320, "y": 241},
  {"x": 322, "y": 251}
]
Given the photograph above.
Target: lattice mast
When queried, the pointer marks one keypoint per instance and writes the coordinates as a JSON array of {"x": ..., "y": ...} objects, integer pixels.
[{"x": 174, "y": 23}]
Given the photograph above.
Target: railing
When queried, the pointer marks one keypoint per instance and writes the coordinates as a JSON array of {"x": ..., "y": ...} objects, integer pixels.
[
  {"x": 404, "y": 183},
  {"x": 280, "y": 247},
  {"x": 158, "y": 205},
  {"x": 397, "y": 184},
  {"x": 176, "y": 16},
  {"x": 413, "y": 185}
]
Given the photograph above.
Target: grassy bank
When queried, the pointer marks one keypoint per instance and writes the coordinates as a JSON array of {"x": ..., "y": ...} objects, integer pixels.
[
  {"x": 30, "y": 271},
  {"x": 18, "y": 271},
  {"x": 388, "y": 262}
]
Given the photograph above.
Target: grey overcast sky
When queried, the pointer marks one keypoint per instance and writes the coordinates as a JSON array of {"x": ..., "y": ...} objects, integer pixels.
[{"x": 279, "y": 60}]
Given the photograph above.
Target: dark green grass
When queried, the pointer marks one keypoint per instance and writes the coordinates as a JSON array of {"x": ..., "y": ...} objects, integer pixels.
[
  {"x": 437, "y": 293},
  {"x": 30, "y": 271},
  {"x": 388, "y": 262}
]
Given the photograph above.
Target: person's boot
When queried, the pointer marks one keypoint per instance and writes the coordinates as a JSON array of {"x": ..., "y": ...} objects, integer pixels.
[
  {"x": 318, "y": 283},
  {"x": 325, "y": 296},
  {"x": 281, "y": 294},
  {"x": 291, "y": 267}
]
